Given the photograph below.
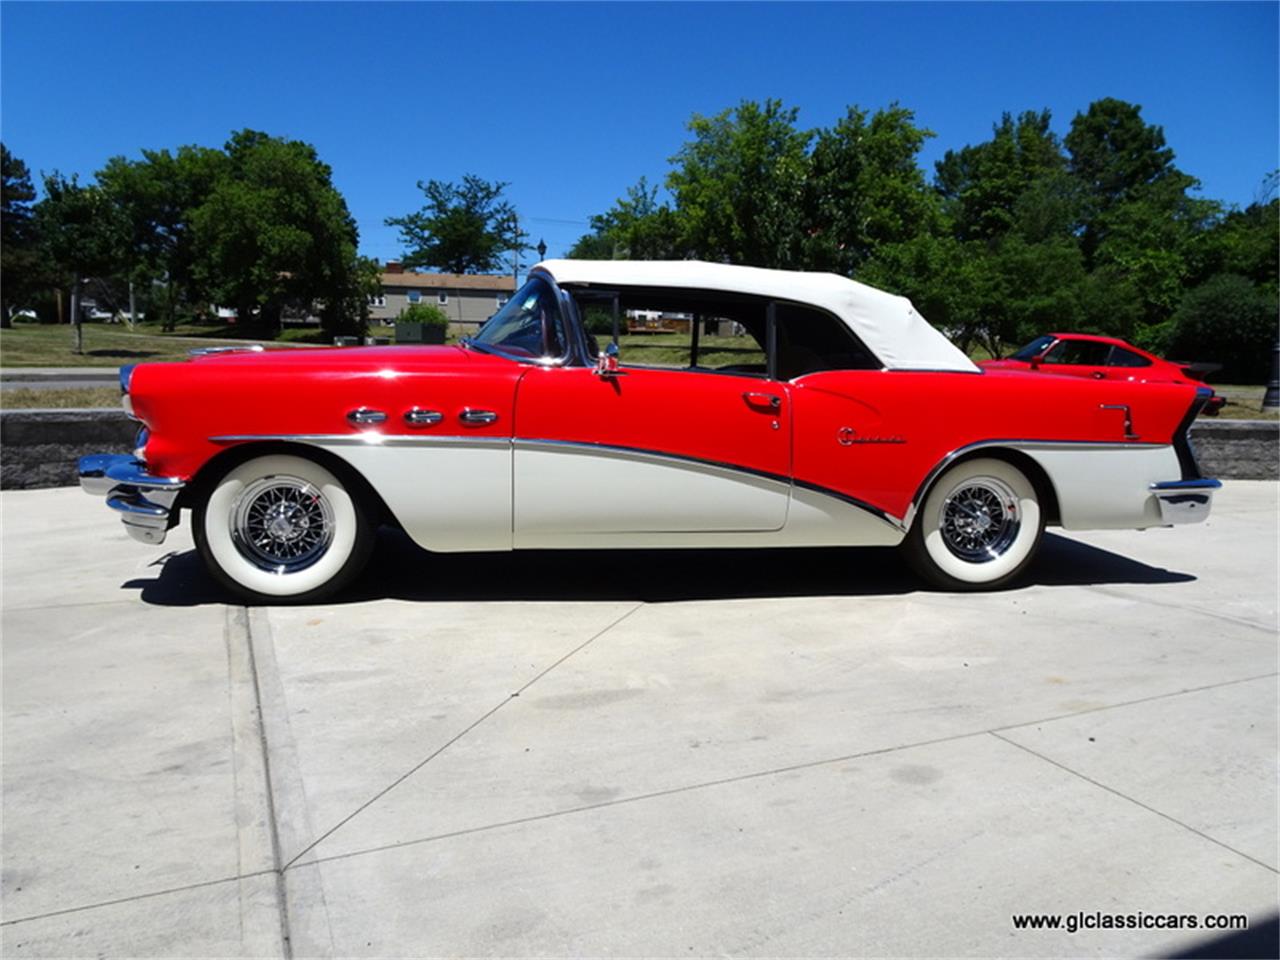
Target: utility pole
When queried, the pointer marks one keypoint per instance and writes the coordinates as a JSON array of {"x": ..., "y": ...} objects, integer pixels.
[
  {"x": 133, "y": 306},
  {"x": 515, "y": 252}
]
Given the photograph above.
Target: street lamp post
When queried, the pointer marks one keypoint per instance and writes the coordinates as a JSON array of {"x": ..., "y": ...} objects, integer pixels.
[{"x": 542, "y": 249}]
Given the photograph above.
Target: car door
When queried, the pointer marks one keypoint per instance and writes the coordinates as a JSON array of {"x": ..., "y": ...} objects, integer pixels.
[{"x": 647, "y": 453}]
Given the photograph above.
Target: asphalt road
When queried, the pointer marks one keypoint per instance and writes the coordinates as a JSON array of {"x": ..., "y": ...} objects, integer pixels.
[{"x": 746, "y": 753}]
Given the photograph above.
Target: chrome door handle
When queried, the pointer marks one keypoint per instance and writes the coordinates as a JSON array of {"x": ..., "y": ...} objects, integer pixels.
[
  {"x": 763, "y": 400},
  {"x": 365, "y": 415},
  {"x": 477, "y": 416},
  {"x": 418, "y": 417}
]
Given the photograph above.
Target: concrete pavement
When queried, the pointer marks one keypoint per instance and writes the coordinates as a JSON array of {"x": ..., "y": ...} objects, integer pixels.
[{"x": 756, "y": 753}]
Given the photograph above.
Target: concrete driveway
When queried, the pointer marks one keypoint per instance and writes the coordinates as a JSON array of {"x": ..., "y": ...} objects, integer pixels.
[{"x": 757, "y": 753}]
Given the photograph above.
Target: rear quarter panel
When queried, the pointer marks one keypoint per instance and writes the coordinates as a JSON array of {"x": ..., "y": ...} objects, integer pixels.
[{"x": 905, "y": 423}]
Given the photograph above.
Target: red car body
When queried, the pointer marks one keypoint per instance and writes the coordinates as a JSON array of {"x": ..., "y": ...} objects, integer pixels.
[
  {"x": 862, "y": 426},
  {"x": 1103, "y": 358}
]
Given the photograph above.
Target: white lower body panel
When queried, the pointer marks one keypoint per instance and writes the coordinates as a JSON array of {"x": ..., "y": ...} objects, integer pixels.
[{"x": 1106, "y": 488}]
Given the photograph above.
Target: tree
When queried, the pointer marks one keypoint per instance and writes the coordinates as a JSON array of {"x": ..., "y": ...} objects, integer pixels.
[
  {"x": 22, "y": 270},
  {"x": 636, "y": 227},
  {"x": 864, "y": 189},
  {"x": 82, "y": 232},
  {"x": 157, "y": 196},
  {"x": 462, "y": 228},
  {"x": 273, "y": 232},
  {"x": 984, "y": 185},
  {"x": 739, "y": 184}
]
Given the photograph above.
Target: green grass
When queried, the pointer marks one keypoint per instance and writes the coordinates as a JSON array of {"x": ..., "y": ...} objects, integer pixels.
[
  {"x": 31, "y": 398},
  {"x": 1244, "y": 402},
  {"x": 105, "y": 345}
]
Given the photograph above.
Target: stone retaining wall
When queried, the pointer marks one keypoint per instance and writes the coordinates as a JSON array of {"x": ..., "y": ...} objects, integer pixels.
[{"x": 39, "y": 448}]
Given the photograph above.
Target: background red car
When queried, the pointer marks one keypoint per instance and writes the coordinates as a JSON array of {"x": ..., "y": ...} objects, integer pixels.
[{"x": 1104, "y": 358}]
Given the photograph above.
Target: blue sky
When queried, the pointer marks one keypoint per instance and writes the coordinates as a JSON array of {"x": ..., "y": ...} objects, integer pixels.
[{"x": 571, "y": 103}]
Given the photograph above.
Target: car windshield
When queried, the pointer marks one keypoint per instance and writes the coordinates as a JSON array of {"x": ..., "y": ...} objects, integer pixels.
[
  {"x": 1032, "y": 349},
  {"x": 528, "y": 325}
]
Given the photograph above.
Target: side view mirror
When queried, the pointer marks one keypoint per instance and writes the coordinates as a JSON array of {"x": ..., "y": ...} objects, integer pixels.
[
  {"x": 607, "y": 362},
  {"x": 1037, "y": 360}
]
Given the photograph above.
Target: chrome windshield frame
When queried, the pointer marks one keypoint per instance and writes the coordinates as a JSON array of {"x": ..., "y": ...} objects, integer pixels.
[{"x": 572, "y": 338}]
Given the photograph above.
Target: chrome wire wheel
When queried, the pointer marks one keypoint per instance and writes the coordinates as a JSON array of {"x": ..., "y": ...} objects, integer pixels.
[
  {"x": 282, "y": 524},
  {"x": 980, "y": 519}
]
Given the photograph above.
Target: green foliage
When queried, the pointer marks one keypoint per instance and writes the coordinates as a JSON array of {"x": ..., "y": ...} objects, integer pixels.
[
  {"x": 22, "y": 269},
  {"x": 274, "y": 232},
  {"x": 636, "y": 227},
  {"x": 739, "y": 182},
  {"x": 462, "y": 228},
  {"x": 1227, "y": 320},
  {"x": 864, "y": 189},
  {"x": 426, "y": 313}
]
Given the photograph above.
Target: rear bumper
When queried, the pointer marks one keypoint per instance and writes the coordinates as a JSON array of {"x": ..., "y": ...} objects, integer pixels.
[
  {"x": 1185, "y": 501},
  {"x": 143, "y": 501}
]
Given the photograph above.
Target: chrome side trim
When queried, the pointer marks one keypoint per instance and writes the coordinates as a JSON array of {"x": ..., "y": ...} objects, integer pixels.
[
  {"x": 367, "y": 438},
  {"x": 1204, "y": 483},
  {"x": 950, "y": 458}
]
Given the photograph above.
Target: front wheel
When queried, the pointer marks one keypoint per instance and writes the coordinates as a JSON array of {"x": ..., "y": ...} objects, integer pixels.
[
  {"x": 979, "y": 526},
  {"x": 282, "y": 527}
]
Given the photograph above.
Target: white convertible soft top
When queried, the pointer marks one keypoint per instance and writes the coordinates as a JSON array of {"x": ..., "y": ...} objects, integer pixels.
[{"x": 889, "y": 325}]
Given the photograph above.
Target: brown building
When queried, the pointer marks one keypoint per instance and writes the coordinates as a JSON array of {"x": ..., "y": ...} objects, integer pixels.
[{"x": 468, "y": 299}]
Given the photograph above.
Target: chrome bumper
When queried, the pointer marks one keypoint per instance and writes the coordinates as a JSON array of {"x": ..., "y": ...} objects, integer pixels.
[
  {"x": 1185, "y": 501},
  {"x": 142, "y": 500}
]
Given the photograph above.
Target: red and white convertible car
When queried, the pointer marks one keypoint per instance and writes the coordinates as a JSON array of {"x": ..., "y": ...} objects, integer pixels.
[{"x": 789, "y": 409}]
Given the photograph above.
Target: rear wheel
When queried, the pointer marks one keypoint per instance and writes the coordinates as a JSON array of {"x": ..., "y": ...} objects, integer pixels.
[
  {"x": 282, "y": 527},
  {"x": 978, "y": 528}
]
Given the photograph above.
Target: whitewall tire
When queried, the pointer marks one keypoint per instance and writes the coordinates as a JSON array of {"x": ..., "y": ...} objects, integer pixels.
[
  {"x": 979, "y": 526},
  {"x": 282, "y": 527}
]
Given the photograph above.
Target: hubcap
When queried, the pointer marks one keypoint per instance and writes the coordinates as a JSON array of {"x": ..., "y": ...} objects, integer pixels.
[
  {"x": 282, "y": 524},
  {"x": 980, "y": 519}
]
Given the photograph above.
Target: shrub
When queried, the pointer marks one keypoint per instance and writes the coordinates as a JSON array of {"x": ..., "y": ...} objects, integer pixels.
[
  {"x": 424, "y": 313},
  {"x": 1226, "y": 320}
]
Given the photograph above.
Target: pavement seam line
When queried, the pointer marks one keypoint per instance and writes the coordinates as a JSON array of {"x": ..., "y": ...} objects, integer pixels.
[
  {"x": 1133, "y": 703},
  {"x": 138, "y": 896},
  {"x": 1116, "y": 594},
  {"x": 307, "y": 929},
  {"x": 724, "y": 781},
  {"x": 1135, "y": 802},
  {"x": 238, "y": 617},
  {"x": 455, "y": 738}
]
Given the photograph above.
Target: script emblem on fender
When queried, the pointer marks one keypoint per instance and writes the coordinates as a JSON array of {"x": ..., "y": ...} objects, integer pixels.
[{"x": 847, "y": 437}]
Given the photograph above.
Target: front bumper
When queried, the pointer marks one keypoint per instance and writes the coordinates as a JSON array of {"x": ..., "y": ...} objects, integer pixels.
[
  {"x": 1185, "y": 501},
  {"x": 143, "y": 501}
]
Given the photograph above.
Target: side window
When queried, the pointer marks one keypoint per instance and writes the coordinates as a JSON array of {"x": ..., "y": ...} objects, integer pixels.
[
  {"x": 673, "y": 330},
  {"x": 1120, "y": 357},
  {"x": 811, "y": 340},
  {"x": 1084, "y": 353}
]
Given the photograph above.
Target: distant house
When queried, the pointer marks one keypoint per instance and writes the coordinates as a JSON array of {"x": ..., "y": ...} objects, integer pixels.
[{"x": 468, "y": 299}]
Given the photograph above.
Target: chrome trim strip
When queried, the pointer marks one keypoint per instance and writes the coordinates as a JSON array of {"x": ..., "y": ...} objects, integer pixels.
[
  {"x": 946, "y": 461},
  {"x": 369, "y": 438}
]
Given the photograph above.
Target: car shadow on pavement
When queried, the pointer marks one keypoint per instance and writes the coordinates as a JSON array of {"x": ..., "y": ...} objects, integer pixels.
[{"x": 401, "y": 570}]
